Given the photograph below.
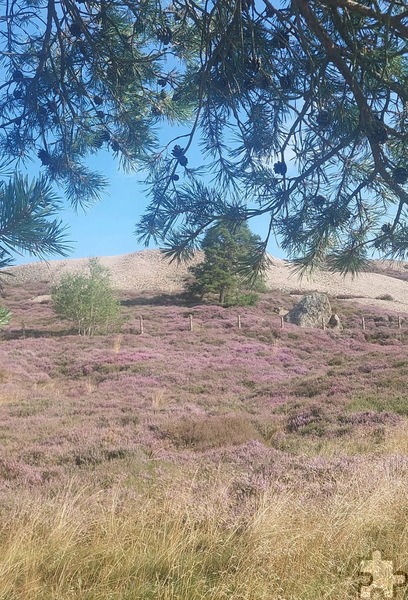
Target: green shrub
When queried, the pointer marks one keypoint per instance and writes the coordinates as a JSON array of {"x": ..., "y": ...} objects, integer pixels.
[
  {"x": 379, "y": 403},
  {"x": 5, "y": 316},
  {"x": 87, "y": 300},
  {"x": 242, "y": 299}
]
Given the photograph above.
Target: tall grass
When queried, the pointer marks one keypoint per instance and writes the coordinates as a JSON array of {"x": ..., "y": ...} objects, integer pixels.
[{"x": 184, "y": 545}]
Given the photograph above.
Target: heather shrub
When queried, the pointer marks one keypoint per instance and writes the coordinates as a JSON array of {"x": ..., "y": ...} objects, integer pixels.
[
  {"x": 293, "y": 336},
  {"x": 302, "y": 420},
  {"x": 265, "y": 462},
  {"x": 336, "y": 361},
  {"x": 87, "y": 300},
  {"x": 212, "y": 432},
  {"x": 311, "y": 386},
  {"x": 96, "y": 455}
]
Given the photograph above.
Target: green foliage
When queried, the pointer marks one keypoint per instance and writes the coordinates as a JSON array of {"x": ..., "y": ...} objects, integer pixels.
[
  {"x": 299, "y": 108},
  {"x": 5, "y": 316},
  {"x": 84, "y": 76},
  {"x": 26, "y": 223},
  {"x": 394, "y": 403},
  {"x": 223, "y": 271},
  {"x": 87, "y": 300},
  {"x": 242, "y": 299}
]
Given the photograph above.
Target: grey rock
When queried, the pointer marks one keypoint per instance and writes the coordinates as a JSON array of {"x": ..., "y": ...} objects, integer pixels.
[{"x": 312, "y": 311}]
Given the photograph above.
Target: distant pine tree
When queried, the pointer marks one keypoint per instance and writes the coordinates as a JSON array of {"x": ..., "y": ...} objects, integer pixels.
[{"x": 223, "y": 271}]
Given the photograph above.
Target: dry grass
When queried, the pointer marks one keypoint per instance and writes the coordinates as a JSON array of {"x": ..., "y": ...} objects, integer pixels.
[
  {"x": 374, "y": 441},
  {"x": 182, "y": 545},
  {"x": 212, "y": 432}
]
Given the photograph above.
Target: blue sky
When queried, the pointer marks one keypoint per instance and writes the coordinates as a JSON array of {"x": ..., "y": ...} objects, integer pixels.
[{"x": 107, "y": 228}]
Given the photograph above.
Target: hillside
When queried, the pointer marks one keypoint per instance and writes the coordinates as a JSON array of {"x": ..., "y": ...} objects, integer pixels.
[
  {"x": 218, "y": 463},
  {"x": 149, "y": 271}
]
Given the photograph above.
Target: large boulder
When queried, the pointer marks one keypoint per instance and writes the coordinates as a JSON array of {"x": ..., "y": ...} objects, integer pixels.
[{"x": 312, "y": 311}]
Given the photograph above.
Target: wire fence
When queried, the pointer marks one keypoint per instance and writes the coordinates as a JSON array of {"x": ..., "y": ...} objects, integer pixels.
[{"x": 367, "y": 323}]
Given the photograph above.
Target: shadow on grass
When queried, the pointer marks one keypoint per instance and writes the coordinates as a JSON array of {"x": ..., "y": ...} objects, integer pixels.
[
  {"x": 162, "y": 300},
  {"x": 20, "y": 334}
]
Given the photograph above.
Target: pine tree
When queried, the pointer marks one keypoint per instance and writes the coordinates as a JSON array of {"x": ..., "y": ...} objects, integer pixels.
[
  {"x": 300, "y": 108},
  {"x": 227, "y": 252},
  {"x": 26, "y": 220},
  {"x": 85, "y": 76}
]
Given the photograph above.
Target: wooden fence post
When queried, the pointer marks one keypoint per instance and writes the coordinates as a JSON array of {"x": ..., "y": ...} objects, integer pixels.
[
  {"x": 323, "y": 324},
  {"x": 282, "y": 321},
  {"x": 239, "y": 321},
  {"x": 141, "y": 329},
  {"x": 399, "y": 322},
  {"x": 190, "y": 322},
  {"x": 363, "y": 323}
]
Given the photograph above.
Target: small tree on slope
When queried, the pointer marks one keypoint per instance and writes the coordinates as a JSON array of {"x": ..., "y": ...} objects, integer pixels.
[
  {"x": 5, "y": 316},
  {"x": 226, "y": 252},
  {"x": 87, "y": 300}
]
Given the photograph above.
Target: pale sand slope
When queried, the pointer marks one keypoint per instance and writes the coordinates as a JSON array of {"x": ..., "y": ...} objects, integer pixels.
[
  {"x": 368, "y": 285},
  {"x": 149, "y": 271}
]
